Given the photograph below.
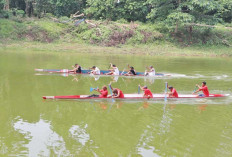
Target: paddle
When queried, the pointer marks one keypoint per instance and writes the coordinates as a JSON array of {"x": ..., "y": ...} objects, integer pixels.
[
  {"x": 91, "y": 89},
  {"x": 109, "y": 66},
  {"x": 111, "y": 93},
  {"x": 122, "y": 71},
  {"x": 194, "y": 89},
  {"x": 165, "y": 96},
  {"x": 139, "y": 90}
]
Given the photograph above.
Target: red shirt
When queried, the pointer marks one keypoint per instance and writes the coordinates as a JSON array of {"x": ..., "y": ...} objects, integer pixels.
[
  {"x": 104, "y": 93},
  {"x": 205, "y": 90},
  {"x": 174, "y": 93},
  {"x": 148, "y": 92},
  {"x": 121, "y": 95}
]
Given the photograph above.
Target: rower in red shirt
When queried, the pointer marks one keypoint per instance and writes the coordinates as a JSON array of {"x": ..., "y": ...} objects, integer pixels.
[
  {"x": 103, "y": 92},
  {"x": 202, "y": 88},
  {"x": 117, "y": 93},
  {"x": 173, "y": 92},
  {"x": 147, "y": 93}
]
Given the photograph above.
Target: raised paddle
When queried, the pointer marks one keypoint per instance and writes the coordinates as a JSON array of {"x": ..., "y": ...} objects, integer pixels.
[
  {"x": 109, "y": 65},
  {"x": 165, "y": 96},
  {"x": 111, "y": 93}
]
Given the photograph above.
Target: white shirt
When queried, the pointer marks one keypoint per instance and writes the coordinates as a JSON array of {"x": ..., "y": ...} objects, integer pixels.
[
  {"x": 116, "y": 71},
  {"x": 152, "y": 72},
  {"x": 97, "y": 71}
]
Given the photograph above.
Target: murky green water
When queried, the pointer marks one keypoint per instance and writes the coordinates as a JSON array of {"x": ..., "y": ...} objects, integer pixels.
[{"x": 33, "y": 127}]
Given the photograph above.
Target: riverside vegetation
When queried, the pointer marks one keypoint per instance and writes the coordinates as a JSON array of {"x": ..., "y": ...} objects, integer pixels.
[{"x": 188, "y": 27}]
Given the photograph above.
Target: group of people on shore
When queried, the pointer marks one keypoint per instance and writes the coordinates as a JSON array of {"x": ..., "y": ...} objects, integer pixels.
[
  {"x": 117, "y": 93},
  {"x": 113, "y": 70}
]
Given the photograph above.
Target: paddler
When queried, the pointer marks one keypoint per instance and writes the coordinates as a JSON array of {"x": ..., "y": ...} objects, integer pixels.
[
  {"x": 150, "y": 71},
  {"x": 147, "y": 92},
  {"x": 117, "y": 93},
  {"x": 114, "y": 70},
  {"x": 173, "y": 92},
  {"x": 131, "y": 71},
  {"x": 95, "y": 70},
  {"x": 77, "y": 68},
  {"x": 202, "y": 88},
  {"x": 103, "y": 93}
]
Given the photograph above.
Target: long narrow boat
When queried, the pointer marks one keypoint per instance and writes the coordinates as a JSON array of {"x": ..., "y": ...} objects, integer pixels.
[
  {"x": 133, "y": 97},
  {"x": 103, "y": 72}
]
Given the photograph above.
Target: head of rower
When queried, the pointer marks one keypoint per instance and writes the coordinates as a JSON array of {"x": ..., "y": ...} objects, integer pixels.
[
  {"x": 94, "y": 67},
  {"x": 115, "y": 91},
  {"x": 104, "y": 88},
  {"x": 203, "y": 83},
  {"x": 132, "y": 68},
  {"x": 171, "y": 88}
]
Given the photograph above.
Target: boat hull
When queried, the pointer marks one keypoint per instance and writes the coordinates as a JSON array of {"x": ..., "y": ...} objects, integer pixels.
[
  {"x": 103, "y": 72},
  {"x": 133, "y": 96}
]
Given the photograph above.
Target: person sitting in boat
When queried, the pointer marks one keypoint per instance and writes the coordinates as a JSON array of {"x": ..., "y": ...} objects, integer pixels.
[
  {"x": 131, "y": 72},
  {"x": 150, "y": 71},
  {"x": 103, "y": 93},
  {"x": 114, "y": 70},
  {"x": 173, "y": 92},
  {"x": 95, "y": 70},
  {"x": 202, "y": 88},
  {"x": 77, "y": 68},
  {"x": 147, "y": 92},
  {"x": 117, "y": 93}
]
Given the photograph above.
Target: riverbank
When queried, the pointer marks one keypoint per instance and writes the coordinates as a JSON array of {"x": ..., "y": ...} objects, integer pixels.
[
  {"x": 162, "y": 49},
  {"x": 114, "y": 37}
]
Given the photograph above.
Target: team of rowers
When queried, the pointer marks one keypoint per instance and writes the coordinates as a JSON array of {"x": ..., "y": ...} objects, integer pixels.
[
  {"x": 114, "y": 70},
  {"x": 117, "y": 93}
]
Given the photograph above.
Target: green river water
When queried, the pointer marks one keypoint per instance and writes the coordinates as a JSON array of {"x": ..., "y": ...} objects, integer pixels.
[{"x": 31, "y": 126}]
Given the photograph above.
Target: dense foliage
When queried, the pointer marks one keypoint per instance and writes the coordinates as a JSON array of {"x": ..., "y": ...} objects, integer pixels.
[
  {"x": 187, "y": 21},
  {"x": 207, "y": 11}
]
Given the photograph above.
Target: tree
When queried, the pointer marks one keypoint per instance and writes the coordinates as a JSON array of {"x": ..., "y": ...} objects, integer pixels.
[
  {"x": 7, "y": 5},
  {"x": 2, "y": 2},
  {"x": 131, "y": 10}
]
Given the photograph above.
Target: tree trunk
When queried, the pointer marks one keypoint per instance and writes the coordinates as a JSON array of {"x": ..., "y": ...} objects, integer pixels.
[
  {"x": 176, "y": 29},
  {"x": 29, "y": 8},
  {"x": 177, "y": 22},
  {"x": 7, "y": 5}
]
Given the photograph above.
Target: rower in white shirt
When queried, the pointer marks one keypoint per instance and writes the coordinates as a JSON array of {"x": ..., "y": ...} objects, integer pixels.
[
  {"x": 150, "y": 71},
  {"x": 113, "y": 71},
  {"x": 95, "y": 70}
]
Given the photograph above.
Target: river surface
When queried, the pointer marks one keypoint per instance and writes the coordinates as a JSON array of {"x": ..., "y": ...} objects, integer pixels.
[{"x": 31, "y": 126}]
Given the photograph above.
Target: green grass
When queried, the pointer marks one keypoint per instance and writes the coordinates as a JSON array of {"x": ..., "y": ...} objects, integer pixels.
[
  {"x": 161, "y": 49},
  {"x": 145, "y": 39}
]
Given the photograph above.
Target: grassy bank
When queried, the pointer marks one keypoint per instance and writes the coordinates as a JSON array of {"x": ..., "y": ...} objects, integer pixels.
[
  {"x": 156, "y": 50},
  {"x": 111, "y": 37}
]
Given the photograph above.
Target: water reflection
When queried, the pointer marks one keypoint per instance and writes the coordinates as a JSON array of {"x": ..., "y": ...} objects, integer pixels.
[
  {"x": 79, "y": 134},
  {"x": 42, "y": 139}
]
